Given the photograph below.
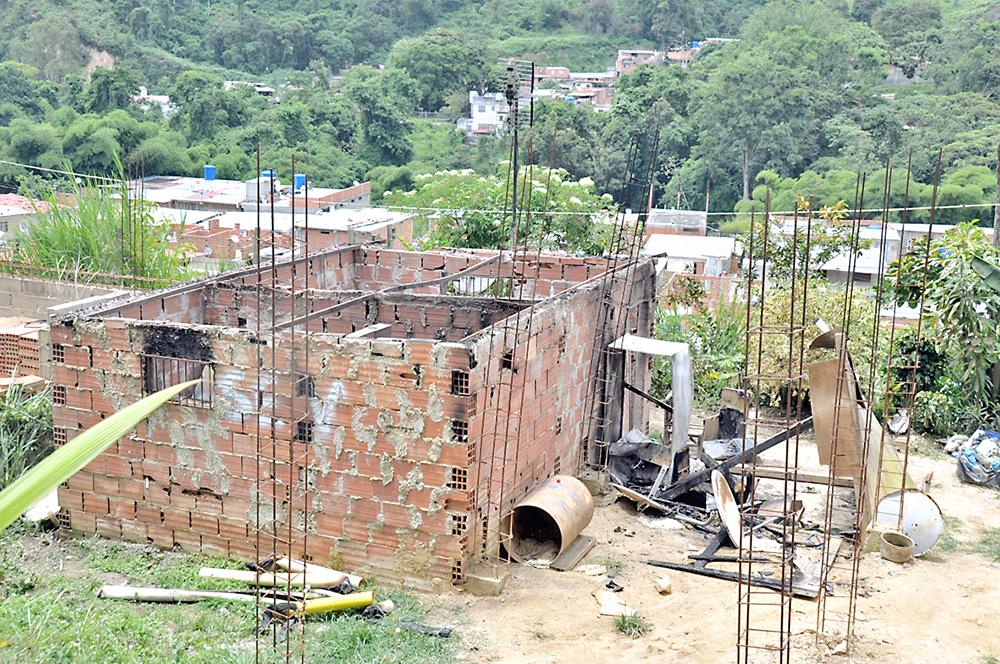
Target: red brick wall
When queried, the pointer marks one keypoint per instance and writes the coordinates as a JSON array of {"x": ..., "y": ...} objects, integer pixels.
[{"x": 401, "y": 452}]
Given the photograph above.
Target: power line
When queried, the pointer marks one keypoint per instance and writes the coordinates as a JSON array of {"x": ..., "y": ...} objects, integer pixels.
[
  {"x": 55, "y": 170},
  {"x": 550, "y": 212}
]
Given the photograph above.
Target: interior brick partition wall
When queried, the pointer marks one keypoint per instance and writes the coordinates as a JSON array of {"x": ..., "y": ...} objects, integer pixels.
[{"x": 398, "y": 463}]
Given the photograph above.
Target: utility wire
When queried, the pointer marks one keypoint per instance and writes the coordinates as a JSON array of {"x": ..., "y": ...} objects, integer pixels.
[
  {"x": 548, "y": 213},
  {"x": 54, "y": 170}
]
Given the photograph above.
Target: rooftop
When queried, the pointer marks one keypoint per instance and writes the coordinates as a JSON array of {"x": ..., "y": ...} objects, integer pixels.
[
  {"x": 690, "y": 246},
  {"x": 344, "y": 219}
]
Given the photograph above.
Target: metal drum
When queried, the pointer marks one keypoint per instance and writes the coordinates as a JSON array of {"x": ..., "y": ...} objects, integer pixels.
[{"x": 557, "y": 511}]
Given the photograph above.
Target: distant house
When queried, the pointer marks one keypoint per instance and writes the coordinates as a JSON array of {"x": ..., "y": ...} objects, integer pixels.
[
  {"x": 909, "y": 233},
  {"x": 557, "y": 74},
  {"x": 351, "y": 226},
  {"x": 628, "y": 60},
  {"x": 681, "y": 56},
  {"x": 260, "y": 88},
  {"x": 189, "y": 193},
  {"x": 489, "y": 112},
  {"x": 676, "y": 222},
  {"x": 870, "y": 264},
  {"x": 147, "y": 101},
  {"x": 713, "y": 261},
  {"x": 710, "y": 256}
]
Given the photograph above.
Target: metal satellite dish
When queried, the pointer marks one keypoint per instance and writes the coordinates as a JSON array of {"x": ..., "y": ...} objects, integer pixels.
[{"x": 921, "y": 521}]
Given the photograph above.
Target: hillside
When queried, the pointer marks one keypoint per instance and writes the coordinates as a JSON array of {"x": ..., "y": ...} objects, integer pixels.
[{"x": 800, "y": 103}]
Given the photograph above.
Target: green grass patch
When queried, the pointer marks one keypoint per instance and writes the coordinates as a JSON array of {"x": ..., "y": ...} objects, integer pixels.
[
  {"x": 52, "y": 617},
  {"x": 948, "y": 542},
  {"x": 989, "y": 544},
  {"x": 632, "y": 626}
]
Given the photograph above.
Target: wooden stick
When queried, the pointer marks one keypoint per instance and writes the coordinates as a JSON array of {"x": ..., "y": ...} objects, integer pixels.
[
  {"x": 268, "y": 579},
  {"x": 169, "y": 594},
  {"x": 293, "y": 565}
]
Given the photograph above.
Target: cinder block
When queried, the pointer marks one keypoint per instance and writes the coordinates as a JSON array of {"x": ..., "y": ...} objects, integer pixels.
[{"x": 108, "y": 526}]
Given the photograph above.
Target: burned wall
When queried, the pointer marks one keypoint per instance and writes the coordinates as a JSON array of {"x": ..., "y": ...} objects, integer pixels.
[
  {"x": 373, "y": 472},
  {"x": 379, "y": 452}
]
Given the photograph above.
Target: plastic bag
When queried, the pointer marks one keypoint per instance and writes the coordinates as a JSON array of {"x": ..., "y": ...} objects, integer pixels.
[{"x": 979, "y": 459}]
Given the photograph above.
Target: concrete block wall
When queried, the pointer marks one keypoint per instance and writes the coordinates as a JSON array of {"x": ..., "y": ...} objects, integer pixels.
[
  {"x": 541, "y": 429},
  {"x": 31, "y": 297},
  {"x": 373, "y": 475},
  {"x": 381, "y": 453}
]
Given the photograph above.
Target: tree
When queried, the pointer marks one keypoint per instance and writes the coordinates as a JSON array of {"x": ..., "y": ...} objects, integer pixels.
[
  {"x": 110, "y": 89},
  {"x": 441, "y": 63},
  {"x": 753, "y": 113},
  {"x": 911, "y": 29},
  {"x": 17, "y": 87},
  {"x": 960, "y": 306},
  {"x": 969, "y": 60},
  {"x": 385, "y": 102},
  {"x": 472, "y": 210}
]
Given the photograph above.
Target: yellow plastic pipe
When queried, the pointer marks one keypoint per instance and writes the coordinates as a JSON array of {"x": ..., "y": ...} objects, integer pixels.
[{"x": 352, "y": 601}]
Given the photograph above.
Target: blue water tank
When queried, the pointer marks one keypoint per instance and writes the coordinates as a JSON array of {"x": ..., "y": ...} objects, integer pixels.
[
  {"x": 209, "y": 171},
  {"x": 300, "y": 181},
  {"x": 267, "y": 174}
]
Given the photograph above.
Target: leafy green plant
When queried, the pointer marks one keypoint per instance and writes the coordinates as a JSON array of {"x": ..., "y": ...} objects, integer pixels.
[
  {"x": 25, "y": 431},
  {"x": 107, "y": 231},
  {"x": 948, "y": 410},
  {"x": 614, "y": 565},
  {"x": 633, "y": 625},
  {"x": 961, "y": 308},
  {"x": 56, "y": 468},
  {"x": 822, "y": 301},
  {"x": 716, "y": 336},
  {"x": 474, "y": 209}
]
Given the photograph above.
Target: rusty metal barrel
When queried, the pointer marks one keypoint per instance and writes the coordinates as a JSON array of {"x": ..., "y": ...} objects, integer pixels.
[{"x": 557, "y": 511}]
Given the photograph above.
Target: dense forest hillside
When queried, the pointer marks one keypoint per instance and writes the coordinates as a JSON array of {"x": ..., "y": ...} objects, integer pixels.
[
  {"x": 162, "y": 37},
  {"x": 800, "y": 103}
]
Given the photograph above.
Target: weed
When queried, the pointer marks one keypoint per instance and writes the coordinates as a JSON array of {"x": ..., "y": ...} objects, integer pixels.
[
  {"x": 948, "y": 542},
  {"x": 614, "y": 565},
  {"x": 25, "y": 431},
  {"x": 632, "y": 626},
  {"x": 539, "y": 634},
  {"x": 991, "y": 659},
  {"x": 989, "y": 545},
  {"x": 56, "y": 618},
  {"x": 925, "y": 447}
]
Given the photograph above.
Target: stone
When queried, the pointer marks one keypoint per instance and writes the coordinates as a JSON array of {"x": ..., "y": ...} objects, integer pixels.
[{"x": 485, "y": 586}]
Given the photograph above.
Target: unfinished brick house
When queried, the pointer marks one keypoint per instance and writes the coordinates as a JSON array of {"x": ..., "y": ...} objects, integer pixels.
[{"x": 380, "y": 417}]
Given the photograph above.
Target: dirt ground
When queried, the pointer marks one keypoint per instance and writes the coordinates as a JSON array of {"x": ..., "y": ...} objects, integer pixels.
[{"x": 941, "y": 607}]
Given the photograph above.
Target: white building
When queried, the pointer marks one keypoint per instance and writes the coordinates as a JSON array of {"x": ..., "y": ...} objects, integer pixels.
[
  {"x": 869, "y": 265},
  {"x": 489, "y": 112},
  {"x": 710, "y": 256}
]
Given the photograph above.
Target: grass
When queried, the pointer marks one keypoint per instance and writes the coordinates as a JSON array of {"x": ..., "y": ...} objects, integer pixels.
[
  {"x": 614, "y": 565},
  {"x": 52, "y": 616},
  {"x": 88, "y": 237},
  {"x": 25, "y": 431},
  {"x": 947, "y": 542},
  {"x": 989, "y": 544},
  {"x": 632, "y": 626},
  {"x": 991, "y": 659},
  {"x": 925, "y": 447}
]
